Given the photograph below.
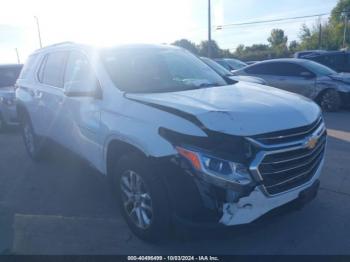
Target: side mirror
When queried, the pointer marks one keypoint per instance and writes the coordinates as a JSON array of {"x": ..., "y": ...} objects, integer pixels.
[
  {"x": 83, "y": 88},
  {"x": 307, "y": 75}
]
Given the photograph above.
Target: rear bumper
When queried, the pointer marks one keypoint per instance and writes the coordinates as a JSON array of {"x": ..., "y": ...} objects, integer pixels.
[{"x": 250, "y": 208}]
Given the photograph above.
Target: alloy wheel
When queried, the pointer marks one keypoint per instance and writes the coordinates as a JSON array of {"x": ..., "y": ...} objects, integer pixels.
[{"x": 136, "y": 199}]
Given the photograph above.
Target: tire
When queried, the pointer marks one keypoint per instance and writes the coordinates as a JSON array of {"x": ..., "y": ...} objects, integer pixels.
[
  {"x": 330, "y": 101},
  {"x": 145, "y": 208},
  {"x": 33, "y": 143}
]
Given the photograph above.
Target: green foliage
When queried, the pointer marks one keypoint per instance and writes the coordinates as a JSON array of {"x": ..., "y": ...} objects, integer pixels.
[
  {"x": 331, "y": 37},
  {"x": 190, "y": 46},
  {"x": 332, "y": 31},
  {"x": 215, "y": 49}
]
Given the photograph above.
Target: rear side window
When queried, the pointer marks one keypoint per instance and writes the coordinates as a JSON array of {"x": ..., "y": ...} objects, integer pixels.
[
  {"x": 52, "y": 69},
  {"x": 277, "y": 68},
  {"x": 262, "y": 69}
]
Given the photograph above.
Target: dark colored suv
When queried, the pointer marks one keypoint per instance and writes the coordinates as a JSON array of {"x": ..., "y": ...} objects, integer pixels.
[{"x": 337, "y": 60}]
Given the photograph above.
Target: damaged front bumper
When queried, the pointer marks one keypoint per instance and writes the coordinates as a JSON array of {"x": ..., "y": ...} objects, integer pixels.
[{"x": 253, "y": 206}]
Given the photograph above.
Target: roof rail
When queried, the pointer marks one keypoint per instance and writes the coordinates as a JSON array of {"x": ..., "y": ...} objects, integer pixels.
[{"x": 57, "y": 44}]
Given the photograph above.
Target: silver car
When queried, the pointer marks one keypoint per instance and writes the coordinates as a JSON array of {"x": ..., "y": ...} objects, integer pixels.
[
  {"x": 228, "y": 76},
  {"x": 8, "y": 77},
  {"x": 331, "y": 90}
]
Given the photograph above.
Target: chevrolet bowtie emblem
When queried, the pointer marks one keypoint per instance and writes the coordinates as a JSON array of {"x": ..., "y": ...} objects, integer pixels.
[{"x": 311, "y": 142}]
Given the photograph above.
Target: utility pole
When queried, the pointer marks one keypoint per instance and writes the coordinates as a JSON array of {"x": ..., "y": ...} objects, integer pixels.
[
  {"x": 345, "y": 14},
  {"x": 320, "y": 34},
  {"x": 18, "y": 61},
  {"x": 38, "y": 28},
  {"x": 209, "y": 30}
]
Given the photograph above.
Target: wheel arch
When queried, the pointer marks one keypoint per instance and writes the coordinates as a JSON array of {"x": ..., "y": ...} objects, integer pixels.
[
  {"x": 116, "y": 148},
  {"x": 321, "y": 93}
]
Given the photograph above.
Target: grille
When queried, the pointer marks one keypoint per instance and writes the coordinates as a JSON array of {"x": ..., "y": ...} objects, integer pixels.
[
  {"x": 282, "y": 170},
  {"x": 289, "y": 135}
]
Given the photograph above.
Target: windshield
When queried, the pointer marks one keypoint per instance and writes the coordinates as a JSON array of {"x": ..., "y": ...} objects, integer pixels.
[
  {"x": 236, "y": 64},
  {"x": 8, "y": 76},
  {"x": 319, "y": 69},
  {"x": 144, "y": 70},
  {"x": 217, "y": 67}
]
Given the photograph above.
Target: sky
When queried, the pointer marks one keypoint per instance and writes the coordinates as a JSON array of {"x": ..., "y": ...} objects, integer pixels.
[{"x": 111, "y": 22}]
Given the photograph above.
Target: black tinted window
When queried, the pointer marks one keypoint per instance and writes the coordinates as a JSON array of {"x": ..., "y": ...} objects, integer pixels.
[
  {"x": 277, "y": 68},
  {"x": 8, "y": 76},
  {"x": 336, "y": 61},
  {"x": 262, "y": 69},
  {"x": 52, "y": 69}
]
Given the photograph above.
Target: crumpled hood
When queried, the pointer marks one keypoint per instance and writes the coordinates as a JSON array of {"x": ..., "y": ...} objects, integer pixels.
[
  {"x": 241, "y": 109},
  {"x": 8, "y": 92}
]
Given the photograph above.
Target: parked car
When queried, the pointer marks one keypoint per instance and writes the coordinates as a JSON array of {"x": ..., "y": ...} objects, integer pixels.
[
  {"x": 228, "y": 76},
  {"x": 251, "y": 62},
  {"x": 301, "y": 54},
  {"x": 177, "y": 143},
  {"x": 8, "y": 77},
  {"x": 231, "y": 64},
  {"x": 337, "y": 60},
  {"x": 313, "y": 80}
]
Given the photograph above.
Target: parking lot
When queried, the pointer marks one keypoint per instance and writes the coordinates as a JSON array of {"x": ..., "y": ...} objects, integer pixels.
[{"x": 62, "y": 206}]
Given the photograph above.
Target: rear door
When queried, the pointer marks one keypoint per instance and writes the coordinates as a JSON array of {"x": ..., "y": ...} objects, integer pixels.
[{"x": 49, "y": 94}]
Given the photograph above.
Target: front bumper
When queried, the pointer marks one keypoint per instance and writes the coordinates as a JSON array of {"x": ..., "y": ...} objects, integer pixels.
[
  {"x": 250, "y": 208},
  {"x": 9, "y": 114}
]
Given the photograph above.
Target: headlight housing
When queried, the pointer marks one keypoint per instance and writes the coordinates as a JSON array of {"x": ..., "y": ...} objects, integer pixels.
[
  {"x": 216, "y": 168},
  {"x": 9, "y": 101}
]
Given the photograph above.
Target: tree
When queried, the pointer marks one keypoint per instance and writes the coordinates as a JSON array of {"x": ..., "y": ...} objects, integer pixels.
[
  {"x": 215, "y": 49},
  {"x": 277, "y": 38},
  {"x": 190, "y": 46},
  {"x": 332, "y": 31},
  {"x": 293, "y": 46}
]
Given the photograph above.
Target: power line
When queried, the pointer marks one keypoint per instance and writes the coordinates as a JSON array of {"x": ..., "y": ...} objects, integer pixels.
[{"x": 227, "y": 26}]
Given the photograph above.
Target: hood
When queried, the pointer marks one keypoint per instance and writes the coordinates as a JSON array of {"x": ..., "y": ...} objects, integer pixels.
[
  {"x": 241, "y": 109},
  {"x": 343, "y": 77},
  {"x": 7, "y": 91}
]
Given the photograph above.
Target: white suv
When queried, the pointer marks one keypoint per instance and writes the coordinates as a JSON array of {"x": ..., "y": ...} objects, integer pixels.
[{"x": 178, "y": 143}]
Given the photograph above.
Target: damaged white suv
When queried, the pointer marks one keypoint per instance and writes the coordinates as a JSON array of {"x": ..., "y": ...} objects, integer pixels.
[{"x": 177, "y": 142}]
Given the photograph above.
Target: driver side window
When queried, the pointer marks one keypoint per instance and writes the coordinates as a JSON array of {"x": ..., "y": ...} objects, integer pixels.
[{"x": 78, "y": 69}]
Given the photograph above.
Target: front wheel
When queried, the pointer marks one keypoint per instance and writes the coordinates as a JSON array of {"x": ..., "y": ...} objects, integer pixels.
[
  {"x": 142, "y": 198},
  {"x": 330, "y": 101},
  {"x": 32, "y": 142}
]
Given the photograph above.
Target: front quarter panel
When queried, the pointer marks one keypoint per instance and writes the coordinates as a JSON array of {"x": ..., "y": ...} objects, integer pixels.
[{"x": 138, "y": 125}]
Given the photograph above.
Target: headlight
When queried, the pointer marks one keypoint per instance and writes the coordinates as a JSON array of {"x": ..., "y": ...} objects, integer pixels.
[
  {"x": 7, "y": 101},
  {"x": 216, "y": 168}
]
